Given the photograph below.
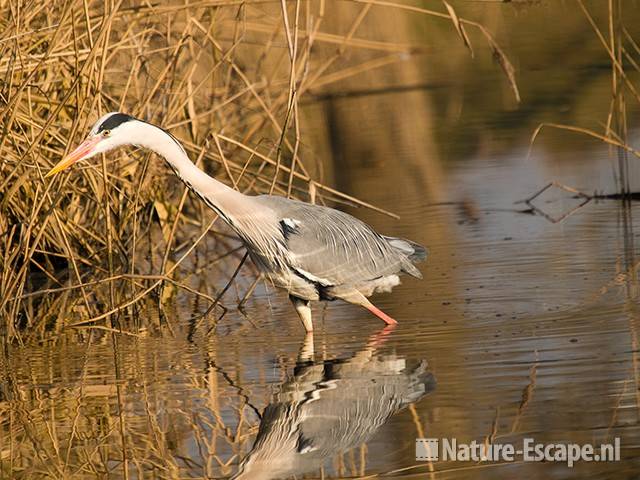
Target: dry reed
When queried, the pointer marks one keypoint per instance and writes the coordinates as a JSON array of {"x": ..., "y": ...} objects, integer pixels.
[{"x": 225, "y": 76}]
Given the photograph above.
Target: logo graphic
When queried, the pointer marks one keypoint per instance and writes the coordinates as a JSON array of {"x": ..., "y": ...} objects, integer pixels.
[{"x": 426, "y": 449}]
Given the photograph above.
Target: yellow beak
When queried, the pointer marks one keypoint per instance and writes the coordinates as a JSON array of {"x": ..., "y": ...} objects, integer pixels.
[{"x": 84, "y": 149}]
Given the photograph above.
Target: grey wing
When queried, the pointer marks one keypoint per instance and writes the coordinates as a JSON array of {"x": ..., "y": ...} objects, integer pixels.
[{"x": 334, "y": 248}]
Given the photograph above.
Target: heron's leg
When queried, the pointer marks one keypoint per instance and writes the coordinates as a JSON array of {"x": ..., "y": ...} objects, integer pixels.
[
  {"x": 304, "y": 312},
  {"x": 359, "y": 299},
  {"x": 379, "y": 313}
]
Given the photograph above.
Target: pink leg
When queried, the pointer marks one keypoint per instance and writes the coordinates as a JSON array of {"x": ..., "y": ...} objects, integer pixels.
[{"x": 379, "y": 313}]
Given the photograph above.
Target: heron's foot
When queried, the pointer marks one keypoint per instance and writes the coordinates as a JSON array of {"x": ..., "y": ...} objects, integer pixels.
[{"x": 303, "y": 308}]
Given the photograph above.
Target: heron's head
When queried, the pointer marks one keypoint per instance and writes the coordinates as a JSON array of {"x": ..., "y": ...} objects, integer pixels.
[{"x": 110, "y": 131}]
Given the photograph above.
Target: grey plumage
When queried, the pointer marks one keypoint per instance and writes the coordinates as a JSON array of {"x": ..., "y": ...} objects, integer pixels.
[
  {"x": 319, "y": 253},
  {"x": 328, "y": 408}
]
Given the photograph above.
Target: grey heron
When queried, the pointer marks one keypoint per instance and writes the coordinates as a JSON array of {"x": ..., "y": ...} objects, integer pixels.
[{"x": 313, "y": 252}]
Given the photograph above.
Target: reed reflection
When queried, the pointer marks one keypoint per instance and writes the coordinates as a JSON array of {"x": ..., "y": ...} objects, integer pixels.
[{"x": 331, "y": 406}]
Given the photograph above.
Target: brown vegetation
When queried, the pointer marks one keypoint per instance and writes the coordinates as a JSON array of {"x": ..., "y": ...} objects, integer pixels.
[{"x": 226, "y": 77}]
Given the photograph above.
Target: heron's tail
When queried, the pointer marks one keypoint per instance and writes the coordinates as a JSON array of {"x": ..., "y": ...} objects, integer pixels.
[{"x": 414, "y": 251}]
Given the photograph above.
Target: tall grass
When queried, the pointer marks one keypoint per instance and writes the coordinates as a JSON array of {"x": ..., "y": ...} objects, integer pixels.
[{"x": 224, "y": 76}]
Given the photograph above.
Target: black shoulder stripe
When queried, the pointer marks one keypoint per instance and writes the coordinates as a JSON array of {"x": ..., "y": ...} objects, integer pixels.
[{"x": 287, "y": 230}]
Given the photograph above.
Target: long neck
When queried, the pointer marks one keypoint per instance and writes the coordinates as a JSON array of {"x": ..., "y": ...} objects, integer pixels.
[{"x": 227, "y": 202}]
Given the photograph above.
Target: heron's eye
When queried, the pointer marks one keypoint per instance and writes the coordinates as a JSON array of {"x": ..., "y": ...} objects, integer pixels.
[{"x": 106, "y": 133}]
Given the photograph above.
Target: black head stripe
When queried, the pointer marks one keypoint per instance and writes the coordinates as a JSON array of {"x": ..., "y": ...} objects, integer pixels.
[{"x": 114, "y": 121}]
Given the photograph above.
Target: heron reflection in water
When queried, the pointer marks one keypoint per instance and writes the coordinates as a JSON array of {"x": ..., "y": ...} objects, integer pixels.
[{"x": 329, "y": 407}]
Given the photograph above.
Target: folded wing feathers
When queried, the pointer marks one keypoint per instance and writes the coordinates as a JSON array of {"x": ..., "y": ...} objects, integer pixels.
[{"x": 314, "y": 238}]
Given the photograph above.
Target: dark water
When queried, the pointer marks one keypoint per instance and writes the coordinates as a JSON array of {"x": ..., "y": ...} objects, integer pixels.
[{"x": 521, "y": 327}]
